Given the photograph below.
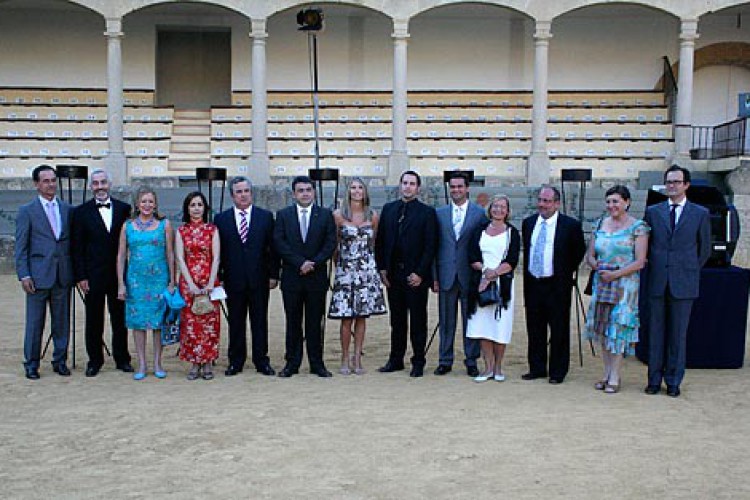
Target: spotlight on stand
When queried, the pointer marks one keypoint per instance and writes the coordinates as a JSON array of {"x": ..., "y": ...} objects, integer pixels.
[{"x": 310, "y": 19}]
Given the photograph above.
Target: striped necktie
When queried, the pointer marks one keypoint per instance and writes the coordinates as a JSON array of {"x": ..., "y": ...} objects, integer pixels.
[{"x": 243, "y": 226}]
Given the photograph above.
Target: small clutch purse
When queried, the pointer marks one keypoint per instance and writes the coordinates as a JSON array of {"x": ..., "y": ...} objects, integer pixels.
[{"x": 202, "y": 305}]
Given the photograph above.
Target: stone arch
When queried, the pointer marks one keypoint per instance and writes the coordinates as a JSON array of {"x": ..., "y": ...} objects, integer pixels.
[{"x": 717, "y": 54}]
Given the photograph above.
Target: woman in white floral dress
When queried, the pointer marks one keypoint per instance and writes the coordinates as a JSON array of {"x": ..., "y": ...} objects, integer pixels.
[{"x": 357, "y": 290}]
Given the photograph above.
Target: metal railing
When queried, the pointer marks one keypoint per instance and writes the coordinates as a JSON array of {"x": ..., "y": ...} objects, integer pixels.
[
  {"x": 722, "y": 141},
  {"x": 669, "y": 87}
]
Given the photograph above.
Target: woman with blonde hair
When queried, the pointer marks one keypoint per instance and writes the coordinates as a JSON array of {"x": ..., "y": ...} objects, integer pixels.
[
  {"x": 357, "y": 290},
  {"x": 146, "y": 248},
  {"x": 493, "y": 254}
]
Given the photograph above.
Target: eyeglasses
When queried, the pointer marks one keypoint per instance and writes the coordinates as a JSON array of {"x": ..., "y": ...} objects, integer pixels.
[{"x": 672, "y": 183}]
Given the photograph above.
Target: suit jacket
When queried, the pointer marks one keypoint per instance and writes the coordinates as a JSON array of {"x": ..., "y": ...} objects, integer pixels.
[
  {"x": 38, "y": 254},
  {"x": 318, "y": 247},
  {"x": 451, "y": 260},
  {"x": 569, "y": 248},
  {"x": 419, "y": 239},
  {"x": 252, "y": 264},
  {"x": 95, "y": 249},
  {"x": 675, "y": 257}
]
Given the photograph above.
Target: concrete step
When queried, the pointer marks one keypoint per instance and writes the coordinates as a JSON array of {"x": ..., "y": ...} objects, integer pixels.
[
  {"x": 191, "y": 147},
  {"x": 188, "y": 114},
  {"x": 191, "y": 138},
  {"x": 188, "y": 165},
  {"x": 191, "y": 129}
]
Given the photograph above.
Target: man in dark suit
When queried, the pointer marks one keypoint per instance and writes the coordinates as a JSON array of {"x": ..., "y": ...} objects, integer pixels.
[
  {"x": 45, "y": 270},
  {"x": 679, "y": 246},
  {"x": 249, "y": 269},
  {"x": 405, "y": 250},
  {"x": 305, "y": 238},
  {"x": 96, "y": 230},
  {"x": 553, "y": 247},
  {"x": 457, "y": 221}
]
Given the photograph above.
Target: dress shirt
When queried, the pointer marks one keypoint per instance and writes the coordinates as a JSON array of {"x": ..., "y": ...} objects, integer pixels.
[
  {"x": 56, "y": 211},
  {"x": 458, "y": 217},
  {"x": 309, "y": 215},
  {"x": 549, "y": 243},
  {"x": 678, "y": 210},
  {"x": 238, "y": 217},
  {"x": 105, "y": 213}
]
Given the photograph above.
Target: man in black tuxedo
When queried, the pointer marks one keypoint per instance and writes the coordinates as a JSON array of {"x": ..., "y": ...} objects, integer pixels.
[
  {"x": 553, "y": 247},
  {"x": 249, "y": 269},
  {"x": 96, "y": 234},
  {"x": 404, "y": 250},
  {"x": 305, "y": 237}
]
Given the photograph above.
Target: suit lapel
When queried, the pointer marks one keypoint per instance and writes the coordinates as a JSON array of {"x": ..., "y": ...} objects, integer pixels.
[{"x": 41, "y": 212}]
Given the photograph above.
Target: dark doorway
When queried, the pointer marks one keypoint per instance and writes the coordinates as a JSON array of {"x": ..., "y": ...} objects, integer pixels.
[{"x": 193, "y": 68}]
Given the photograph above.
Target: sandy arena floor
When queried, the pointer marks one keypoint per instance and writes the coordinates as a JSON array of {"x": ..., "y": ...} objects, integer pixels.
[{"x": 374, "y": 436}]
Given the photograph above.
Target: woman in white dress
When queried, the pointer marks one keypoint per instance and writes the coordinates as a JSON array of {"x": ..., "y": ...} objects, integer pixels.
[{"x": 493, "y": 254}]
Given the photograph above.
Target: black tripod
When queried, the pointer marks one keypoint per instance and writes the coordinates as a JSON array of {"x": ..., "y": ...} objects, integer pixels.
[
  {"x": 578, "y": 176},
  {"x": 72, "y": 173}
]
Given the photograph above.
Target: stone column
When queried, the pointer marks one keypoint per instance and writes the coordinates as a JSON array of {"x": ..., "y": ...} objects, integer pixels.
[
  {"x": 538, "y": 165},
  {"x": 116, "y": 162},
  {"x": 398, "y": 160},
  {"x": 684, "y": 111},
  {"x": 260, "y": 172}
]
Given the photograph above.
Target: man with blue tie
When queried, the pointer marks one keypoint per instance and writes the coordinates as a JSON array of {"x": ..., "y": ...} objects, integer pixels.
[
  {"x": 45, "y": 270},
  {"x": 553, "y": 247},
  {"x": 679, "y": 246},
  {"x": 457, "y": 221}
]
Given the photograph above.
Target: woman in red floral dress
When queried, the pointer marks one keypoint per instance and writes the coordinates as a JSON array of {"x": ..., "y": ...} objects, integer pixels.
[{"x": 197, "y": 252}]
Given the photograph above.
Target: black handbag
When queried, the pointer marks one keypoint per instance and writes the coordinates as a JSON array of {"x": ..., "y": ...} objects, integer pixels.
[{"x": 490, "y": 295}]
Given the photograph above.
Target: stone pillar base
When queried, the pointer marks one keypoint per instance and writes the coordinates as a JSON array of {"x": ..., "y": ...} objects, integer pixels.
[
  {"x": 398, "y": 161},
  {"x": 116, "y": 164},
  {"x": 260, "y": 170},
  {"x": 537, "y": 169}
]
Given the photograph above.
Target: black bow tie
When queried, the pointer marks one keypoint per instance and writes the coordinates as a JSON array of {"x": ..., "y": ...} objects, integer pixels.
[{"x": 103, "y": 205}]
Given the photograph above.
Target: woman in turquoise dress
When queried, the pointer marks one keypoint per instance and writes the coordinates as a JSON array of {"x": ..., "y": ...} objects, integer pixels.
[
  {"x": 146, "y": 253},
  {"x": 617, "y": 252}
]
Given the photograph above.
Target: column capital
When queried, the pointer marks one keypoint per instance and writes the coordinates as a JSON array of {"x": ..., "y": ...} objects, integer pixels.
[
  {"x": 400, "y": 29},
  {"x": 114, "y": 27},
  {"x": 543, "y": 30},
  {"x": 258, "y": 30},
  {"x": 689, "y": 30}
]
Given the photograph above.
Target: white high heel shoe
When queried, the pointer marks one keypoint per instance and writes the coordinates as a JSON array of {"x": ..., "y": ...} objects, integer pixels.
[{"x": 483, "y": 377}]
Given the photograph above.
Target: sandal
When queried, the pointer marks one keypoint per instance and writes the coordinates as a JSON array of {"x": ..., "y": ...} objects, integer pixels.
[
  {"x": 600, "y": 385},
  {"x": 208, "y": 374},
  {"x": 359, "y": 371},
  {"x": 345, "y": 370},
  {"x": 612, "y": 388},
  {"x": 194, "y": 373}
]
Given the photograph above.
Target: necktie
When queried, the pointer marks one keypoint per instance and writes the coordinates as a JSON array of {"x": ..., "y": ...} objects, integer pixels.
[
  {"x": 303, "y": 224},
  {"x": 673, "y": 216},
  {"x": 52, "y": 217},
  {"x": 458, "y": 221},
  {"x": 537, "y": 258},
  {"x": 401, "y": 217},
  {"x": 243, "y": 226},
  {"x": 103, "y": 205}
]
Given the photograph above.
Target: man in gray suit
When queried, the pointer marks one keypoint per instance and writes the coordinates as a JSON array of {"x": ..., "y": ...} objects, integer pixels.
[
  {"x": 679, "y": 246},
  {"x": 456, "y": 223},
  {"x": 45, "y": 270}
]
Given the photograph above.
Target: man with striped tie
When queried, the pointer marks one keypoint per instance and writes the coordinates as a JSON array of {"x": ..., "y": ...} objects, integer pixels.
[
  {"x": 249, "y": 269},
  {"x": 553, "y": 247}
]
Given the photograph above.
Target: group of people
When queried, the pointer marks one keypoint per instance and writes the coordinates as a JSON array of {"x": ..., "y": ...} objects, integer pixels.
[{"x": 465, "y": 253}]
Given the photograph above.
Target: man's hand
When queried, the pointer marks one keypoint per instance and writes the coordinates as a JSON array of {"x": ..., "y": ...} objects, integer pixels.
[
  {"x": 272, "y": 283},
  {"x": 414, "y": 280},
  {"x": 435, "y": 286},
  {"x": 28, "y": 285},
  {"x": 84, "y": 286},
  {"x": 307, "y": 267}
]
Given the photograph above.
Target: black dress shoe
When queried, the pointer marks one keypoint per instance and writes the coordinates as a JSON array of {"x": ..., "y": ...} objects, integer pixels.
[
  {"x": 442, "y": 370},
  {"x": 322, "y": 373},
  {"x": 92, "y": 371},
  {"x": 652, "y": 389},
  {"x": 532, "y": 376},
  {"x": 266, "y": 370},
  {"x": 673, "y": 391},
  {"x": 287, "y": 372},
  {"x": 61, "y": 369},
  {"x": 472, "y": 371},
  {"x": 390, "y": 367},
  {"x": 556, "y": 380},
  {"x": 32, "y": 373},
  {"x": 416, "y": 371},
  {"x": 232, "y": 370},
  {"x": 126, "y": 368}
]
